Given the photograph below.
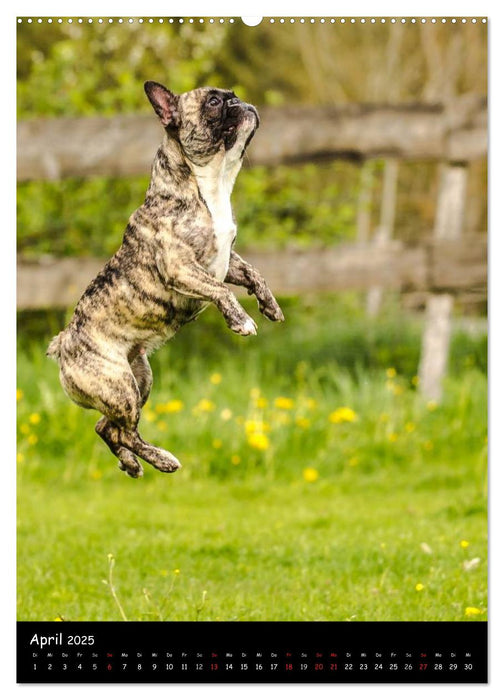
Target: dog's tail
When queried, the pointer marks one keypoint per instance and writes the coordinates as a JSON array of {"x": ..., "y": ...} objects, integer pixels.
[{"x": 54, "y": 349}]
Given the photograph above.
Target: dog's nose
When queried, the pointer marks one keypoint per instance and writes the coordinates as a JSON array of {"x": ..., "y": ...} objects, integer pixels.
[{"x": 252, "y": 109}]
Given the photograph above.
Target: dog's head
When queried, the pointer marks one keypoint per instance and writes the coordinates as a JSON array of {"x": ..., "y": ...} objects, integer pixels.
[{"x": 205, "y": 121}]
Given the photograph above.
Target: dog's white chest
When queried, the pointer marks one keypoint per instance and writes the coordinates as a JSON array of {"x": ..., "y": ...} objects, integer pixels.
[{"x": 217, "y": 196}]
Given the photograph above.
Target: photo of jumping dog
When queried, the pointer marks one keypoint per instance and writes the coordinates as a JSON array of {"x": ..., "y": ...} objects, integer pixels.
[{"x": 175, "y": 258}]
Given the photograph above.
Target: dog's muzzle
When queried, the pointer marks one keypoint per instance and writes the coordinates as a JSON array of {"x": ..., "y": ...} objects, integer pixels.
[
  {"x": 251, "y": 108},
  {"x": 235, "y": 106}
]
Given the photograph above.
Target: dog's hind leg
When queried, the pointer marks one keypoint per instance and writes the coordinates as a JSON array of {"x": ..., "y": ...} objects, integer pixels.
[
  {"x": 121, "y": 397},
  {"x": 110, "y": 434},
  {"x": 142, "y": 372},
  {"x": 127, "y": 460},
  {"x": 118, "y": 428}
]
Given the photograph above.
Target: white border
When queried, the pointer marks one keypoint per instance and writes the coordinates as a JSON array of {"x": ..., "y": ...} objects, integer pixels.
[{"x": 228, "y": 9}]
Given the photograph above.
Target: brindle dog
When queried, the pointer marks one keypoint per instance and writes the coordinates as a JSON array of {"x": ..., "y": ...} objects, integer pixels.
[{"x": 176, "y": 254}]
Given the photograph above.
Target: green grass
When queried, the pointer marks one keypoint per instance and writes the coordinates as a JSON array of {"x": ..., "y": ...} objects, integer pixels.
[{"x": 286, "y": 508}]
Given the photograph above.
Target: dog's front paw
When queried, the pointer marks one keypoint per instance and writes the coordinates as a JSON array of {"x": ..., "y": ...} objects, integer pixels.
[
  {"x": 247, "y": 326},
  {"x": 129, "y": 463},
  {"x": 131, "y": 470},
  {"x": 166, "y": 462},
  {"x": 271, "y": 309}
]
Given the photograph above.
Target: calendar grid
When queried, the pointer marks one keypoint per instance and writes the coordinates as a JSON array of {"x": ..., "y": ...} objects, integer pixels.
[{"x": 150, "y": 652}]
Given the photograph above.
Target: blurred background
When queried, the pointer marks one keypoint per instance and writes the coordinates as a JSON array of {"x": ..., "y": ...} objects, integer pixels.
[{"x": 337, "y": 460}]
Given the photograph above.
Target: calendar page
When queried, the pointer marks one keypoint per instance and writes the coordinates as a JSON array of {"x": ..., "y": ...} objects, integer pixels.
[{"x": 252, "y": 349}]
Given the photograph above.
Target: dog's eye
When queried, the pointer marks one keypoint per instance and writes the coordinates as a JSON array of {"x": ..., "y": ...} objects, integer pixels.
[{"x": 214, "y": 101}]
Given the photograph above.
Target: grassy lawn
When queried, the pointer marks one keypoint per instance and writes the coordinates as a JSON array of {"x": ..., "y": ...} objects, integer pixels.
[{"x": 317, "y": 483}]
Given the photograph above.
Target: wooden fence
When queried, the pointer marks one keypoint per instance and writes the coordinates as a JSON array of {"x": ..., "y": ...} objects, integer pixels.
[
  {"x": 454, "y": 267},
  {"x": 450, "y": 263},
  {"x": 125, "y": 145}
]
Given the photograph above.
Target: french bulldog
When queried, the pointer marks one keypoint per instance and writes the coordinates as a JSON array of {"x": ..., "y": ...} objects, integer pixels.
[{"x": 175, "y": 258}]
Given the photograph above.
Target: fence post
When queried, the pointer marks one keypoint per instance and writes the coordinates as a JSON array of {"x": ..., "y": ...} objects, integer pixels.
[
  {"x": 386, "y": 228},
  {"x": 436, "y": 337}
]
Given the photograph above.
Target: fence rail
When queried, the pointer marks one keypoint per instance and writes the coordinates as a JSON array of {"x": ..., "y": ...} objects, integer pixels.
[
  {"x": 436, "y": 266},
  {"x": 49, "y": 149}
]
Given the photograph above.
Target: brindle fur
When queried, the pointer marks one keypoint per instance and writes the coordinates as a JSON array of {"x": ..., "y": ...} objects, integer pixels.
[{"x": 166, "y": 270}]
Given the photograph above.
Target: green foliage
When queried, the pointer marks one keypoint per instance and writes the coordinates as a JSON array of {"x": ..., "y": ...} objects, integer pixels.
[
  {"x": 88, "y": 69},
  {"x": 76, "y": 216},
  {"x": 302, "y": 206},
  {"x": 307, "y": 205},
  {"x": 73, "y": 68},
  {"x": 313, "y": 477}
]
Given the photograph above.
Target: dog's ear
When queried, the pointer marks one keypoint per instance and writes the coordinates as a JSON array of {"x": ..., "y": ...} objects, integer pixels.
[{"x": 164, "y": 103}]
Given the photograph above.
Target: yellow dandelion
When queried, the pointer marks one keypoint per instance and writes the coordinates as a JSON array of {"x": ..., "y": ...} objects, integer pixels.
[
  {"x": 34, "y": 418},
  {"x": 256, "y": 426},
  {"x": 343, "y": 415},
  {"x": 383, "y": 545},
  {"x": 32, "y": 439},
  {"x": 464, "y": 544},
  {"x": 284, "y": 403},
  {"x": 303, "y": 422},
  {"x": 176, "y": 572},
  {"x": 24, "y": 428},
  {"x": 432, "y": 405},
  {"x": 391, "y": 372},
  {"x": 419, "y": 587},
  {"x": 226, "y": 414},
  {"x": 20, "y": 457},
  {"x": 392, "y": 437},
  {"x": 415, "y": 380},
  {"x": 259, "y": 441},
  {"x": 353, "y": 461},
  {"x": 235, "y": 459},
  {"x": 19, "y": 394},
  {"x": 310, "y": 474},
  {"x": 173, "y": 406},
  {"x": 472, "y": 611},
  {"x": 409, "y": 427},
  {"x": 163, "y": 572},
  {"x": 217, "y": 444},
  {"x": 215, "y": 378},
  {"x": 58, "y": 619},
  {"x": 205, "y": 406}
]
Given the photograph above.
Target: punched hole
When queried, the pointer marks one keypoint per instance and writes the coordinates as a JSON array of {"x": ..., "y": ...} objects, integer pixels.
[{"x": 251, "y": 21}]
